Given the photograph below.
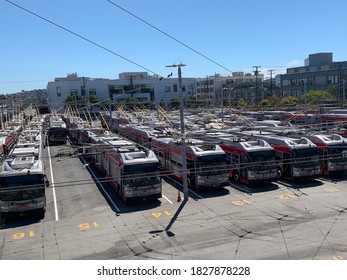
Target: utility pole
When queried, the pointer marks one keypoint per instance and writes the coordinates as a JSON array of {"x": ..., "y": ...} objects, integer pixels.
[
  {"x": 271, "y": 80},
  {"x": 343, "y": 92},
  {"x": 256, "y": 73},
  {"x": 184, "y": 149}
]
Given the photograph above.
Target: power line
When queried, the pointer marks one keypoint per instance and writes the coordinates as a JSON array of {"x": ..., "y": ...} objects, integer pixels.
[
  {"x": 168, "y": 35},
  {"x": 81, "y": 37}
]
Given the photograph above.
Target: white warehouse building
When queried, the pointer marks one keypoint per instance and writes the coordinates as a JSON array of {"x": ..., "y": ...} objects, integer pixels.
[{"x": 139, "y": 85}]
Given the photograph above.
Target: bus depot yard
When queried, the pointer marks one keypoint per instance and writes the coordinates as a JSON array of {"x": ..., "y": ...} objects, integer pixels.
[{"x": 91, "y": 216}]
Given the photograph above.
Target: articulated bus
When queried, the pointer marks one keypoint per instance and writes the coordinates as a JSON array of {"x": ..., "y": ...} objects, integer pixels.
[
  {"x": 133, "y": 171},
  {"x": 206, "y": 163},
  {"x": 298, "y": 159},
  {"x": 22, "y": 177},
  {"x": 333, "y": 152}
]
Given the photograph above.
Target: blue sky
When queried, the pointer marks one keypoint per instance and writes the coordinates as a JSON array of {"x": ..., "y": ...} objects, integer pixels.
[{"x": 235, "y": 34}]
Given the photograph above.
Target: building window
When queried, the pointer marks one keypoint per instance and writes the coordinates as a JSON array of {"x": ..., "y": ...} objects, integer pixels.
[
  {"x": 320, "y": 80},
  {"x": 58, "y": 91},
  {"x": 175, "y": 88},
  {"x": 286, "y": 83},
  {"x": 167, "y": 89}
]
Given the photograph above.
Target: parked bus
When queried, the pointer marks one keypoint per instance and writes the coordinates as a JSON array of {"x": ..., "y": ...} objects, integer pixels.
[
  {"x": 133, "y": 171},
  {"x": 333, "y": 152},
  {"x": 298, "y": 159},
  {"x": 22, "y": 176},
  {"x": 56, "y": 130},
  {"x": 206, "y": 163},
  {"x": 251, "y": 161}
]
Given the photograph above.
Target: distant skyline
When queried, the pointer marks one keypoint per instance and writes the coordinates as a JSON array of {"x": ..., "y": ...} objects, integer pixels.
[{"x": 229, "y": 35}]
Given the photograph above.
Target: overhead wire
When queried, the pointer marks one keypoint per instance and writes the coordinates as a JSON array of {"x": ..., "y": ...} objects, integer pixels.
[
  {"x": 168, "y": 35},
  {"x": 81, "y": 37}
]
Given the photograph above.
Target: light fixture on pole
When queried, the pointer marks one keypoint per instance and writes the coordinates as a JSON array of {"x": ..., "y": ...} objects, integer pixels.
[{"x": 184, "y": 149}]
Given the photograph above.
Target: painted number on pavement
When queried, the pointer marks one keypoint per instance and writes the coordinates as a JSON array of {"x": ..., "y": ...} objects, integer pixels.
[
  {"x": 241, "y": 202},
  {"x": 86, "y": 226},
  {"x": 158, "y": 214},
  {"x": 20, "y": 235},
  {"x": 285, "y": 196}
]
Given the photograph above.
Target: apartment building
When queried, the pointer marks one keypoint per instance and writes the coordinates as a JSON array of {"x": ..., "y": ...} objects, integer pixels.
[
  {"x": 320, "y": 72},
  {"x": 140, "y": 85}
]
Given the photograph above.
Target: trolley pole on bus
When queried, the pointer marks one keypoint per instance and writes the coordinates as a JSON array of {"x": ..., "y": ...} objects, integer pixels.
[{"x": 183, "y": 137}]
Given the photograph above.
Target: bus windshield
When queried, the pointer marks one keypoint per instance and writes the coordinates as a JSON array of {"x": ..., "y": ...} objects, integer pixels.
[
  {"x": 212, "y": 164},
  {"x": 262, "y": 160},
  {"x": 306, "y": 158},
  {"x": 138, "y": 175},
  {"x": 338, "y": 154},
  {"x": 20, "y": 188}
]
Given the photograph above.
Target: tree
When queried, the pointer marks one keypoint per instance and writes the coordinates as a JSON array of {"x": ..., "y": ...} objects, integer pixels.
[
  {"x": 275, "y": 101},
  {"x": 289, "y": 100},
  {"x": 265, "y": 103},
  {"x": 73, "y": 99},
  {"x": 242, "y": 103},
  {"x": 319, "y": 96}
]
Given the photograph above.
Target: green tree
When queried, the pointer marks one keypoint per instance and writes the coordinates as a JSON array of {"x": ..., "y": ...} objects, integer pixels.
[
  {"x": 265, "y": 103},
  {"x": 72, "y": 99},
  {"x": 319, "y": 96},
  {"x": 241, "y": 103},
  {"x": 275, "y": 101},
  {"x": 289, "y": 100}
]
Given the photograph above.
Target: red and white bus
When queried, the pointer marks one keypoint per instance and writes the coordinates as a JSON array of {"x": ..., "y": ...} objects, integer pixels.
[
  {"x": 133, "y": 171},
  {"x": 298, "y": 159},
  {"x": 333, "y": 152},
  {"x": 206, "y": 163},
  {"x": 249, "y": 162}
]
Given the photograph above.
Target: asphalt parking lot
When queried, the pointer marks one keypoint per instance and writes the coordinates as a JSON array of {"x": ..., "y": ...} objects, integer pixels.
[{"x": 86, "y": 220}]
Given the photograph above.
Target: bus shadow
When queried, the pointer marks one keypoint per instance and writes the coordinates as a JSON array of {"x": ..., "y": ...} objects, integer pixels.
[
  {"x": 334, "y": 178},
  {"x": 302, "y": 185},
  {"x": 20, "y": 220},
  {"x": 197, "y": 194},
  {"x": 250, "y": 189}
]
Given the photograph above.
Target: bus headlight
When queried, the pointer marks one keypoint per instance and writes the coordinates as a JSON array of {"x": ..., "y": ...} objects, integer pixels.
[{"x": 296, "y": 172}]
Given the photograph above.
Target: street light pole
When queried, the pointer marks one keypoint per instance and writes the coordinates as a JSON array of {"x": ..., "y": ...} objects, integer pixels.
[{"x": 184, "y": 149}]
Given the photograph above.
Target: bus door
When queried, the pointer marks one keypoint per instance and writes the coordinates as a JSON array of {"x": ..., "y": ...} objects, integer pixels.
[
  {"x": 191, "y": 172},
  {"x": 243, "y": 166},
  {"x": 324, "y": 162},
  {"x": 167, "y": 159},
  {"x": 287, "y": 165}
]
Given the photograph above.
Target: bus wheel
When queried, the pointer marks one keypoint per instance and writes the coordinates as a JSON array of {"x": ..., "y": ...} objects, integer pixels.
[{"x": 236, "y": 177}]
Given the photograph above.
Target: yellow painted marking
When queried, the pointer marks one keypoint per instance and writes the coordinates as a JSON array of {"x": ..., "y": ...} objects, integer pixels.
[
  {"x": 84, "y": 226},
  {"x": 285, "y": 196},
  {"x": 95, "y": 224},
  {"x": 18, "y": 235},
  {"x": 31, "y": 233},
  {"x": 337, "y": 257},
  {"x": 156, "y": 215},
  {"x": 167, "y": 213},
  {"x": 241, "y": 202},
  {"x": 332, "y": 189}
]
